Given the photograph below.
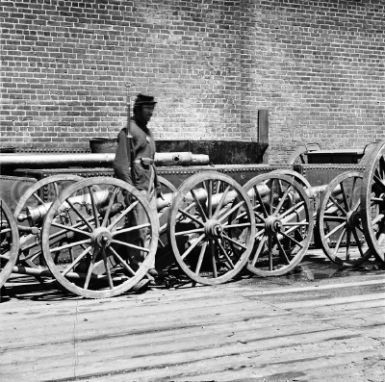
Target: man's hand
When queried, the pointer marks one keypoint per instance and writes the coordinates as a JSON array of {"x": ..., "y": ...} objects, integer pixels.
[{"x": 127, "y": 198}]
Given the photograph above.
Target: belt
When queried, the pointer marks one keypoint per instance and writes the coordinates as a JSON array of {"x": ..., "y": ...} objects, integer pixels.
[{"x": 144, "y": 161}]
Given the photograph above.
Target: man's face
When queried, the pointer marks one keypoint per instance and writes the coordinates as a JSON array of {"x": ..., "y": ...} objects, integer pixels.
[{"x": 145, "y": 113}]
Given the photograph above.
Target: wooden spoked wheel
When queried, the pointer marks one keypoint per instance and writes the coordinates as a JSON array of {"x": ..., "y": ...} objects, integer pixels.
[
  {"x": 284, "y": 219},
  {"x": 299, "y": 155},
  {"x": 211, "y": 228},
  {"x": 373, "y": 201},
  {"x": 30, "y": 212},
  {"x": 9, "y": 242},
  {"x": 339, "y": 220},
  {"x": 297, "y": 177},
  {"x": 111, "y": 236}
]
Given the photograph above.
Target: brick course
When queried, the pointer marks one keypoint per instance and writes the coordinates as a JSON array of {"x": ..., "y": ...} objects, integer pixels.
[{"x": 317, "y": 66}]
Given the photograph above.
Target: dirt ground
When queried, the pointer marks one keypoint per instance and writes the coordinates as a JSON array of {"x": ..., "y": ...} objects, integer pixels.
[{"x": 320, "y": 323}]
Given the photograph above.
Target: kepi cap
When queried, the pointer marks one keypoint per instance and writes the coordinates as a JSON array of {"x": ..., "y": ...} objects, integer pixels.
[{"x": 142, "y": 99}]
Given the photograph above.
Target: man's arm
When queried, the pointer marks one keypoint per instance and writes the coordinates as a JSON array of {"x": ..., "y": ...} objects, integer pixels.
[{"x": 121, "y": 162}]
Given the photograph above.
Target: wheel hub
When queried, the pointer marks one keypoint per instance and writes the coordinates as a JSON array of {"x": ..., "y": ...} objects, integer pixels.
[
  {"x": 213, "y": 228},
  {"x": 102, "y": 237},
  {"x": 273, "y": 224}
]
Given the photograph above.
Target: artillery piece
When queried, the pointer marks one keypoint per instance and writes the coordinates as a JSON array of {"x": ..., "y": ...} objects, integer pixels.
[
  {"x": 355, "y": 219},
  {"x": 31, "y": 212},
  {"x": 214, "y": 227}
]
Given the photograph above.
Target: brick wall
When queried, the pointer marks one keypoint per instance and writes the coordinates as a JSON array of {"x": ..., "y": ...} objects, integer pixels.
[{"x": 317, "y": 66}]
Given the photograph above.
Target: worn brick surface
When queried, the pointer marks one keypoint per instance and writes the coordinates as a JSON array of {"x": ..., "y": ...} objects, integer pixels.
[{"x": 317, "y": 66}]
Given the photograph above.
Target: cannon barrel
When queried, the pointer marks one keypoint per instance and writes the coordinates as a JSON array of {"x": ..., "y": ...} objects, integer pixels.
[
  {"x": 201, "y": 194},
  {"x": 34, "y": 214},
  {"x": 90, "y": 159}
]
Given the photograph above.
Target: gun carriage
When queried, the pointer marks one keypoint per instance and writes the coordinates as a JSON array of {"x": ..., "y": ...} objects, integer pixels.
[{"x": 215, "y": 224}]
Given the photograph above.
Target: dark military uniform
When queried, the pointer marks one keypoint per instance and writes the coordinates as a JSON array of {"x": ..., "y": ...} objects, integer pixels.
[{"x": 143, "y": 175}]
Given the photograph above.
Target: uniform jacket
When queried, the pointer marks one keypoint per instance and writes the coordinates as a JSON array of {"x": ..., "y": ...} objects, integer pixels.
[{"x": 143, "y": 146}]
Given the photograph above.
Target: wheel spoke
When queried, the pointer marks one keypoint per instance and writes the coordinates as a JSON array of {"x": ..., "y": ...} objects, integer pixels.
[
  {"x": 256, "y": 215},
  {"x": 213, "y": 261},
  {"x": 271, "y": 194},
  {"x": 335, "y": 201},
  {"x": 209, "y": 199},
  {"x": 353, "y": 189},
  {"x": 193, "y": 218},
  {"x": 130, "y": 229},
  {"x": 196, "y": 230},
  {"x": 284, "y": 196},
  {"x": 335, "y": 229},
  {"x": 201, "y": 256},
  {"x": 198, "y": 203},
  {"x": 129, "y": 245},
  {"x": 79, "y": 214},
  {"x": 282, "y": 250},
  {"x": 122, "y": 215},
  {"x": 292, "y": 239},
  {"x": 38, "y": 198},
  {"x": 237, "y": 225},
  {"x": 221, "y": 201},
  {"x": 358, "y": 242},
  {"x": 108, "y": 269},
  {"x": 291, "y": 210},
  {"x": 70, "y": 228},
  {"x": 109, "y": 207},
  {"x": 295, "y": 226},
  {"x": 344, "y": 197},
  {"x": 77, "y": 260},
  {"x": 280, "y": 186},
  {"x": 270, "y": 252},
  {"x": 334, "y": 218},
  {"x": 56, "y": 188},
  {"x": 70, "y": 245},
  {"x": 192, "y": 246},
  {"x": 259, "y": 234},
  {"x": 339, "y": 241},
  {"x": 258, "y": 195},
  {"x": 94, "y": 209},
  {"x": 89, "y": 271},
  {"x": 230, "y": 211},
  {"x": 232, "y": 266},
  {"x": 233, "y": 241},
  {"x": 347, "y": 248},
  {"x": 121, "y": 260}
]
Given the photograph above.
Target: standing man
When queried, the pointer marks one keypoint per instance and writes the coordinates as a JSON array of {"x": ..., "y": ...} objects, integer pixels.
[{"x": 141, "y": 173}]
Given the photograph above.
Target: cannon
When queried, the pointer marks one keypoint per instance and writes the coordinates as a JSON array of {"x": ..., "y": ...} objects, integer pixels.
[
  {"x": 76, "y": 229},
  {"x": 31, "y": 212},
  {"x": 82, "y": 233},
  {"x": 93, "y": 159},
  {"x": 355, "y": 220}
]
